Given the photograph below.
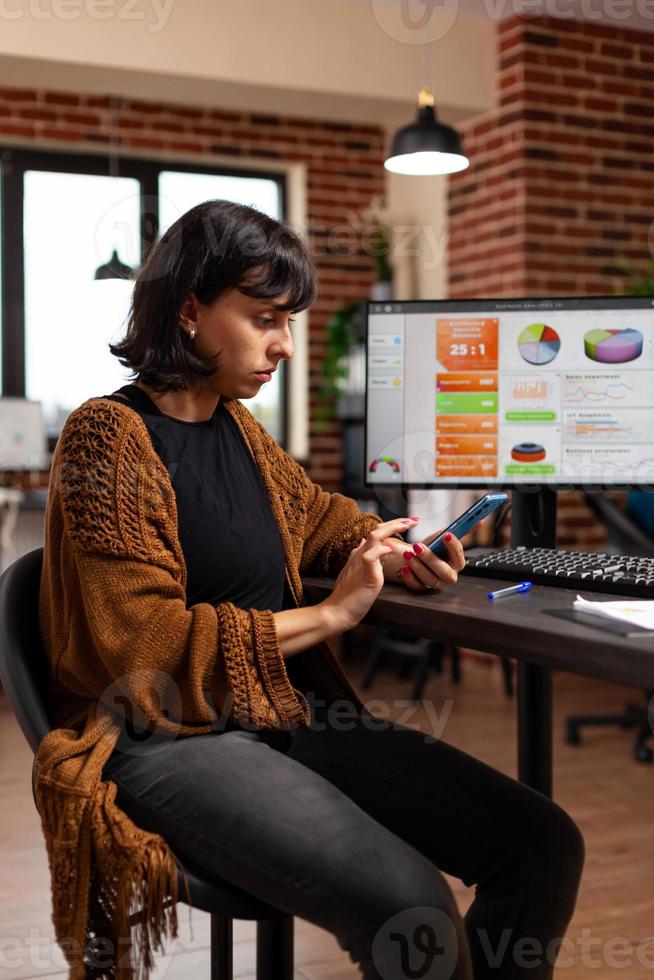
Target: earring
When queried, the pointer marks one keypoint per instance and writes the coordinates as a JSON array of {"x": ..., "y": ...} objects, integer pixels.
[{"x": 192, "y": 333}]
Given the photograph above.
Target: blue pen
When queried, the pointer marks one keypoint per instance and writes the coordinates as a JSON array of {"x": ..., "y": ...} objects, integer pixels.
[{"x": 520, "y": 587}]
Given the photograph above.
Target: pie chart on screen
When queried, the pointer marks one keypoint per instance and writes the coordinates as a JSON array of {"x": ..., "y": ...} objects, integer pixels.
[
  {"x": 613, "y": 346},
  {"x": 538, "y": 344}
]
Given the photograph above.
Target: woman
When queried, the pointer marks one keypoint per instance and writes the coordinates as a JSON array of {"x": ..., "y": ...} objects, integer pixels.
[{"x": 171, "y": 606}]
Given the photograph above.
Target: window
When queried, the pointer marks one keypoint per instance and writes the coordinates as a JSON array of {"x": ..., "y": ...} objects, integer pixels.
[
  {"x": 72, "y": 223},
  {"x": 65, "y": 215},
  {"x": 180, "y": 190}
]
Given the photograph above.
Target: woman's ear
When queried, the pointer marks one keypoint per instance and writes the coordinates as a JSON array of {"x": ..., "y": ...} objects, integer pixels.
[{"x": 189, "y": 310}]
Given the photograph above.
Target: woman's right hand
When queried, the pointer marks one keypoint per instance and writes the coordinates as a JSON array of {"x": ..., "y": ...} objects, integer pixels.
[{"x": 362, "y": 578}]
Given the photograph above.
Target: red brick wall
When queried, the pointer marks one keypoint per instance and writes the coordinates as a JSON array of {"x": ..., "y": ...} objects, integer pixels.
[
  {"x": 344, "y": 166},
  {"x": 561, "y": 182}
]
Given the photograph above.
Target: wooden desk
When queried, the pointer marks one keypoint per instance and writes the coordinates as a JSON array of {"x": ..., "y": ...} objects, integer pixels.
[{"x": 514, "y": 627}]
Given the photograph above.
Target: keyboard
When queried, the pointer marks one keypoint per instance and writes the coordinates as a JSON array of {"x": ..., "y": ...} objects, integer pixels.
[{"x": 582, "y": 570}]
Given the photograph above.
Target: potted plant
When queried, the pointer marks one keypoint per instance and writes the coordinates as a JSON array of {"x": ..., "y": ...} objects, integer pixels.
[
  {"x": 345, "y": 330},
  {"x": 638, "y": 283},
  {"x": 379, "y": 251}
]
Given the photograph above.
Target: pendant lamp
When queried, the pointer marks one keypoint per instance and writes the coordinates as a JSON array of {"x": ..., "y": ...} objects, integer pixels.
[
  {"x": 114, "y": 268},
  {"x": 426, "y": 146}
]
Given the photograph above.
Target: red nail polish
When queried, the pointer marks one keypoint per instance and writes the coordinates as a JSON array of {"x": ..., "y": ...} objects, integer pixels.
[
  {"x": 418, "y": 548},
  {"x": 448, "y": 537},
  {"x": 408, "y": 555},
  {"x": 405, "y": 569}
]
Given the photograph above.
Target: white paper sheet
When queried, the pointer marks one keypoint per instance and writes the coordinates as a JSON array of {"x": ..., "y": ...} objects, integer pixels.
[{"x": 636, "y": 612}]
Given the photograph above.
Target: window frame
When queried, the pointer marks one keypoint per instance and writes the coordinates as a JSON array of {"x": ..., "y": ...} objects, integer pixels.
[{"x": 15, "y": 161}]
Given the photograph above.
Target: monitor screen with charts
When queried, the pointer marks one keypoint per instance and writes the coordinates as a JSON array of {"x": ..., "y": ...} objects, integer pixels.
[{"x": 503, "y": 392}]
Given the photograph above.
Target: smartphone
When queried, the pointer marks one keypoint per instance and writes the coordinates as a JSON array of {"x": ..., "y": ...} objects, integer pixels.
[{"x": 469, "y": 519}]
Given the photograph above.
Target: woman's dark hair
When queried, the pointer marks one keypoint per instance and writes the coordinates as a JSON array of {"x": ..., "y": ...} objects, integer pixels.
[{"x": 216, "y": 246}]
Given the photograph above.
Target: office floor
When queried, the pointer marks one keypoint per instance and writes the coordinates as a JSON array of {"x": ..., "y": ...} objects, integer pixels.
[{"x": 607, "y": 792}]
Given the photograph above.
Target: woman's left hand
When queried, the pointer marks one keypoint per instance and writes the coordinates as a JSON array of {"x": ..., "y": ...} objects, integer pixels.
[{"x": 421, "y": 569}]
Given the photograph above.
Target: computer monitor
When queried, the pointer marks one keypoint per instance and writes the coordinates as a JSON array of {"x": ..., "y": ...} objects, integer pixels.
[
  {"x": 510, "y": 393},
  {"x": 23, "y": 444}
]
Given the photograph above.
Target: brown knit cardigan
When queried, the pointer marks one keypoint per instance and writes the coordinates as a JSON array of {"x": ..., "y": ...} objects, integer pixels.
[{"x": 122, "y": 642}]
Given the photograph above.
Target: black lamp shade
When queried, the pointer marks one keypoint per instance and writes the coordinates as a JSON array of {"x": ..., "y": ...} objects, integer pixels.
[
  {"x": 439, "y": 147},
  {"x": 114, "y": 269}
]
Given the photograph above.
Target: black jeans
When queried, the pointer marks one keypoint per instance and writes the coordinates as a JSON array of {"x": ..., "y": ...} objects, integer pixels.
[{"x": 348, "y": 824}]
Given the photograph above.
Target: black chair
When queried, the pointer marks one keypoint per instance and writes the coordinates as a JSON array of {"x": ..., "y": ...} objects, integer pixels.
[
  {"x": 414, "y": 653},
  {"x": 624, "y": 537},
  {"x": 428, "y": 654},
  {"x": 24, "y": 670}
]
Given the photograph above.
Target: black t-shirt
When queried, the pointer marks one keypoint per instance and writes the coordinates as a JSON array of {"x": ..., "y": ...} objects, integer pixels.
[{"x": 228, "y": 534}]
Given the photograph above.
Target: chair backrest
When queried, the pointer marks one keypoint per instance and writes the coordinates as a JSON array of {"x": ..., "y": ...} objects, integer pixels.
[
  {"x": 624, "y": 535},
  {"x": 24, "y": 666}
]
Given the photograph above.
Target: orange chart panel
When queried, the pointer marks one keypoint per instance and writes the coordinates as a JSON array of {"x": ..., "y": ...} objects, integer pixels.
[
  {"x": 467, "y": 343},
  {"x": 466, "y": 445},
  {"x": 466, "y": 466},
  {"x": 455, "y": 381},
  {"x": 466, "y": 425}
]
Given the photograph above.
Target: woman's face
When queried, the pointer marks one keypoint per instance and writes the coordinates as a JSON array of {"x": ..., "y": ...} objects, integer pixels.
[{"x": 250, "y": 335}]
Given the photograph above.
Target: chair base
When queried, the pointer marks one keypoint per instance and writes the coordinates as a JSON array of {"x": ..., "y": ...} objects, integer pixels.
[
  {"x": 418, "y": 653},
  {"x": 422, "y": 655},
  {"x": 222, "y": 954},
  {"x": 275, "y": 952},
  {"x": 634, "y": 716}
]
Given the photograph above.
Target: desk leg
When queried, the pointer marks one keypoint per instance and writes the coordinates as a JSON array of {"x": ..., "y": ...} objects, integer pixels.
[{"x": 535, "y": 727}]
